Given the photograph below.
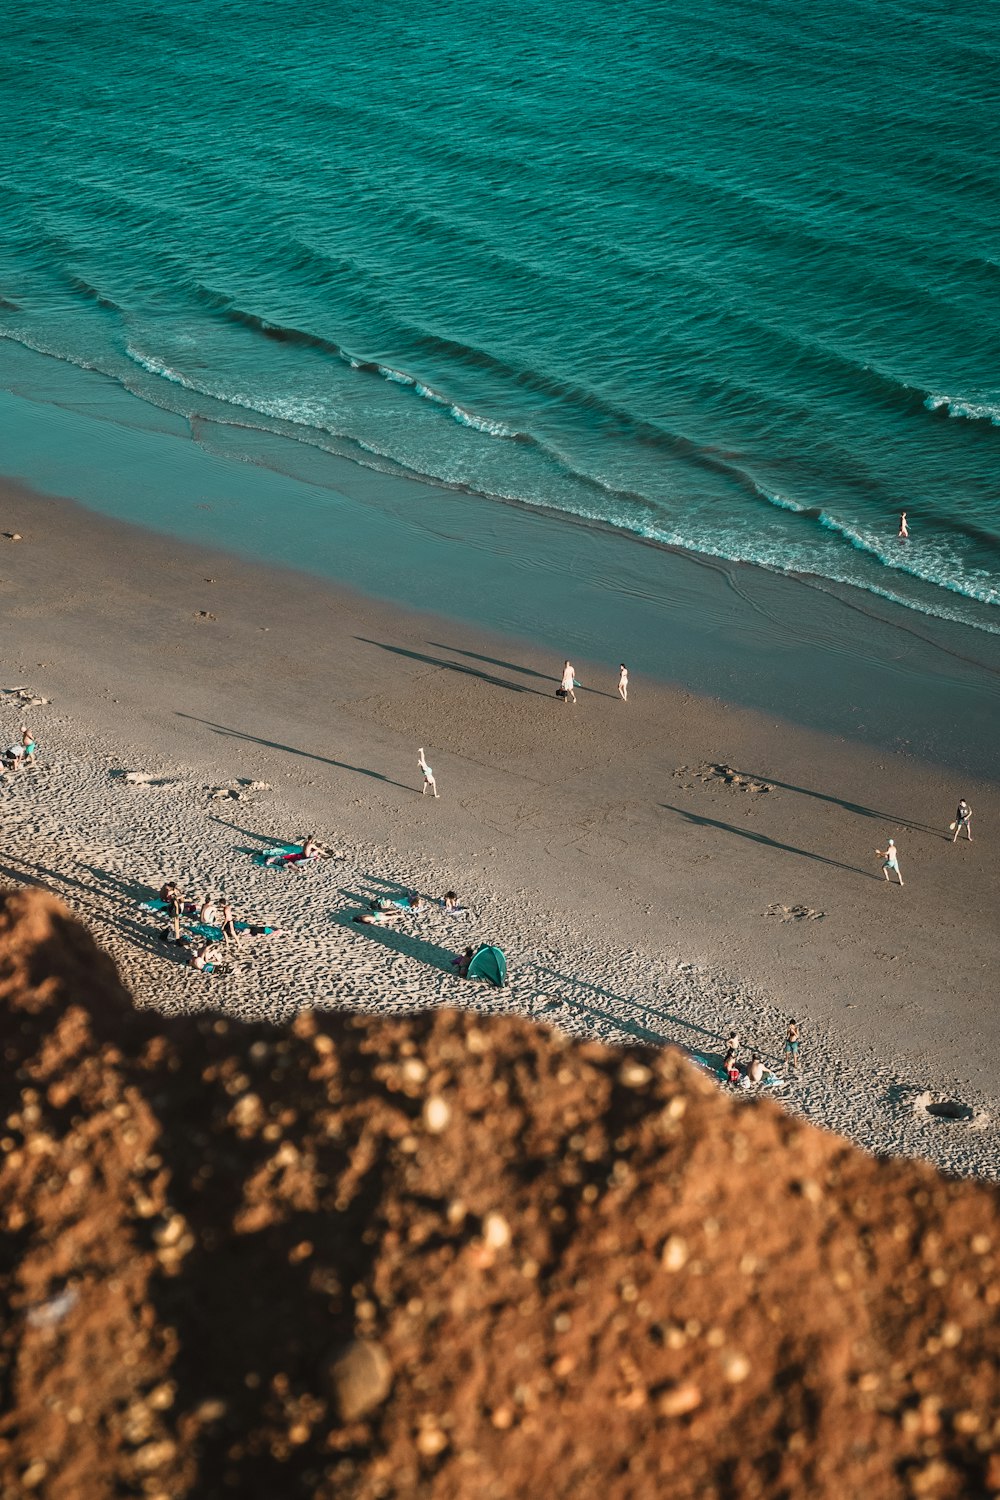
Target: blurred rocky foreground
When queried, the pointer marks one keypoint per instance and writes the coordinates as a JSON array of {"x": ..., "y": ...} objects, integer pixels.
[{"x": 451, "y": 1257}]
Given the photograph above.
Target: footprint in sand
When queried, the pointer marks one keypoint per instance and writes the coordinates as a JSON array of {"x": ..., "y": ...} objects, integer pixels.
[{"x": 794, "y": 913}]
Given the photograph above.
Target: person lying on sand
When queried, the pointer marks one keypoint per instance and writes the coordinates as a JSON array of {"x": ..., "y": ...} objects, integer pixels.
[
  {"x": 375, "y": 918},
  {"x": 413, "y": 902},
  {"x": 310, "y": 850}
]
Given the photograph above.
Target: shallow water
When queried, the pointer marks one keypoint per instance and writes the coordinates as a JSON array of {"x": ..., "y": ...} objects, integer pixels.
[{"x": 726, "y": 278}]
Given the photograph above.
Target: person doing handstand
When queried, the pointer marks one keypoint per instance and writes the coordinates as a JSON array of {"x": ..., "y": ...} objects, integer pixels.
[{"x": 429, "y": 783}]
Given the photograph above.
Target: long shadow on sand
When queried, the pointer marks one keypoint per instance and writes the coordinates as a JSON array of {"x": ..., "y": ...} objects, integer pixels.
[
  {"x": 494, "y": 661},
  {"x": 851, "y": 807},
  {"x": 452, "y": 666},
  {"x": 140, "y": 933},
  {"x": 512, "y": 666},
  {"x": 398, "y": 940},
  {"x": 762, "y": 838},
  {"x": 565, "y": 988},
  {"x": 326, "y": 760}
]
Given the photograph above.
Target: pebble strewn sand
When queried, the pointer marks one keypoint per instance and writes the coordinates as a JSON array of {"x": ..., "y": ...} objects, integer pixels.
[{"x": 74, "y": 825}]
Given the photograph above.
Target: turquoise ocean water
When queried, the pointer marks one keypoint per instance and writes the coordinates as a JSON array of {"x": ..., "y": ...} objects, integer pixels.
[{"x": 726, "y": 277}]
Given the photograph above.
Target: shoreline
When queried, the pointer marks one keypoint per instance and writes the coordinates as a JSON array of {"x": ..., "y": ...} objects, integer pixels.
[
  {"x": 829, "y": 657},
  {"x": 599, "y": 835}
]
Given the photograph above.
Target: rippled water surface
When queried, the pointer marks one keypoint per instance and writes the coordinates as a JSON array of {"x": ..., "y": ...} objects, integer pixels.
[{"x": 724, "y": 276}]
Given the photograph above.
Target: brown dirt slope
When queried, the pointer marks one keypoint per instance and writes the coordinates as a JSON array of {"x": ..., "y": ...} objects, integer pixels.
[{"x": 447, "y": 1257}]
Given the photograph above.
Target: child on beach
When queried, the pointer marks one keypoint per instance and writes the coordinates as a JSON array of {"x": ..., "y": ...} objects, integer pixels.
[
  {"x": 792, "y": 1045},
  {"x": 19, "y": 757},
  {"x": 890, "y": 860},
  {"x": 963, "y": 819},
  {"x": 623, "y": 682},
  {"x": 428, "y": 774}
]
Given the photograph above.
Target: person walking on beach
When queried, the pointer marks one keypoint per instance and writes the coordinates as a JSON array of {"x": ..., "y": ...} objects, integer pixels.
[
  {"x": 963, "y": 819},
  {"x": 623, "y": 682},
  {"x": 429, "y": 781},
  {"x": 890, "y": 860},
  {"x": 904, "y": 530},
  {"x": 792, "y": 1045},
  {"x": 568, "y": 683}
]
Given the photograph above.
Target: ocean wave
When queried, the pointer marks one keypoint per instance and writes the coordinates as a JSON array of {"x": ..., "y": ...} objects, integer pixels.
[
  {"x": 918, "y": 561},
  {"x": 958, "y": 406},
  {"x": 613, "y": 506}
]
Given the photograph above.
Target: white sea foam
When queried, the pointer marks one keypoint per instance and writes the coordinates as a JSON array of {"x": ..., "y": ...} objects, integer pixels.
[{"x": 973, "y": 411}]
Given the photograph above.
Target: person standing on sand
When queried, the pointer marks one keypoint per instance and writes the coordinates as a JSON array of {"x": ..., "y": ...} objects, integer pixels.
[
  {"x": 963, "y": 819},
  {"x": 174, "y": 900},
  {"x": 228, "y": 925},
  {"x": 428, "y": 774},
  {"x": 890, "y": 860},
  {"x": 792, "y": 1045},
  {"x": 623, "y": 682},
  {"x": 568, "y": 683},
  {"x": 904, "y": 530}
]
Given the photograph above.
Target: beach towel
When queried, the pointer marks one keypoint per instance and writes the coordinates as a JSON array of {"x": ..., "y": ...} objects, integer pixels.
[
  {"x": 216, "y": 934},
  {"x": 283, "y": 854}
]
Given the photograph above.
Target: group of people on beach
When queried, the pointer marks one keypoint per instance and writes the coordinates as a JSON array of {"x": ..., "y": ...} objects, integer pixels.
[
  {"x": 755, "y": 1073},
  {"x": 568, "y": 683},
  {"x": 213, "y": 922},
  {"x": 962, "y": 821}
]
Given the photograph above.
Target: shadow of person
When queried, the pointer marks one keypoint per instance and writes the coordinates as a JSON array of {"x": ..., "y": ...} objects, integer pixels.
[
  {"x": 765, "y": 840},
  {"x": 326, "y": 760},
  {"x": 452, "y": 666},
  {"x": 851, "y": 807}
]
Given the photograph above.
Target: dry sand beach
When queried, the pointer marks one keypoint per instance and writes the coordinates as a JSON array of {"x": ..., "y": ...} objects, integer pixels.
[{"x": 660, "y": 870}]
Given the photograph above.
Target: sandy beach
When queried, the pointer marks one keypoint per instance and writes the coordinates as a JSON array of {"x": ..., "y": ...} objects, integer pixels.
[{"x": 660, "y": 870}]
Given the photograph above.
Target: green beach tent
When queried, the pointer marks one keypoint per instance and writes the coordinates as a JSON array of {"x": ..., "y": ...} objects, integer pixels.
[{"x": 489, "y": 963}]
